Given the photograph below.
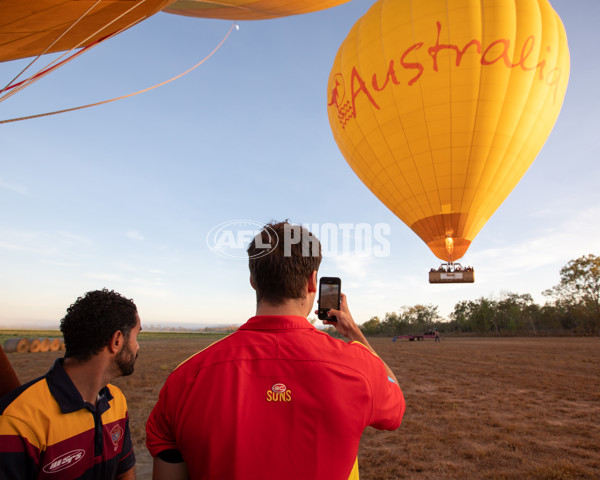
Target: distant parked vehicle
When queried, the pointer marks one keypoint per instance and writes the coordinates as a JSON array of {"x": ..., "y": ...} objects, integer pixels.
[{"x": 419, "y": 337}]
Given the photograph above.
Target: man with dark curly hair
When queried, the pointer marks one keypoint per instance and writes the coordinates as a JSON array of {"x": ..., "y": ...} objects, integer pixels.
[
  {"x": 72, "y": 423},
  {"x": 278, "y": 398}
]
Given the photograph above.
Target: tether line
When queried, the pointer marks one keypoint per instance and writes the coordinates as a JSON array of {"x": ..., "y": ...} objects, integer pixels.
[{"x": 128, "y": 95}]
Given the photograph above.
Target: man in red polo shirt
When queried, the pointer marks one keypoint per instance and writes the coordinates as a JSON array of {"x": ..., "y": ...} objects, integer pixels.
[{"x": 277, "y": 398}]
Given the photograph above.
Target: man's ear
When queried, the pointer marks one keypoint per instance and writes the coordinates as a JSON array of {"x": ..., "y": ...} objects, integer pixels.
[
  {"x": 117, "y": 340},
  {"x": 251, "y": 282},
  {"x": 312, "y": 282}
]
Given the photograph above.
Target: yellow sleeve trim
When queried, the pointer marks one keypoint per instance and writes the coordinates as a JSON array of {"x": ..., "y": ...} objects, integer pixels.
[
  {"x": 365, "y": 347},
  {"x": 354, "y": 472}
]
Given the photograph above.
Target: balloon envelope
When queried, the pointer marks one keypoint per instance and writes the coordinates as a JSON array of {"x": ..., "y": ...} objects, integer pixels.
[
  {"x": 440, "y": 107},
  {"x": 248, "y": 9},
  {"x": 30, "y": 28}
]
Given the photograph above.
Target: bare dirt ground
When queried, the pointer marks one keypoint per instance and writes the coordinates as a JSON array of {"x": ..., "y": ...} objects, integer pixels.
[{"x": 477, "y": 408}]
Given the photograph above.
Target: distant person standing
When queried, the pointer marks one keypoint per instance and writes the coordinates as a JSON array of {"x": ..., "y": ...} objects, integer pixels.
[
  {"x": 437, "y": 335},
  {"x": 71, "y": 423}
]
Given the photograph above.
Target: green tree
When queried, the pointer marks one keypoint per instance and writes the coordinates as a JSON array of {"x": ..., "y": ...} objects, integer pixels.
[
  {"x": 549, "y": 320},
  {"x": 484, "y": 316},
  {"x": 578, "y": 293},
  {"x": 393, "y": 324},
  {"x": 372, "y": 326},
  {"x": 476, "y": 316},
  {"x": 420, "y": 317},
  {"x": 460, "y": 318},
  {"x": 514, "y": 312}
]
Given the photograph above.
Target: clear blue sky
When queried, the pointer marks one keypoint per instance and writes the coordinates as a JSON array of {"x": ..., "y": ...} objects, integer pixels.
[{"x": 124, "y": 195}]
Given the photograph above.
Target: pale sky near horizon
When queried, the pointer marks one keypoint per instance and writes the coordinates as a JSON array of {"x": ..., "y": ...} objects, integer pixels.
[{"x": 124, "y": 195}]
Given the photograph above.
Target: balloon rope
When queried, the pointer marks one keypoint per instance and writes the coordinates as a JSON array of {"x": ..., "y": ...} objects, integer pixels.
[
  {"x": 50, "y": 68},
  {"x": 131, "y": 94},
  {"x": 51, "y": 45}
]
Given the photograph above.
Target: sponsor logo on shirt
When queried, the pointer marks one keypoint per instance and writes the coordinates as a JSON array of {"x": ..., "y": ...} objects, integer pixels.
[
  {"x": 66, "y": 460},
  {"x": 279, "y": 393},
  {"x": 115, "y": 435}
]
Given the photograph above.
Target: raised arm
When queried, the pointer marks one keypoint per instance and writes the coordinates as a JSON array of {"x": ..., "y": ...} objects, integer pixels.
[{"x": 347, "y": 327}]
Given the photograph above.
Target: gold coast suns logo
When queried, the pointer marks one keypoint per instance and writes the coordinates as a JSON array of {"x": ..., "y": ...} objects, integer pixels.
[{"x": 279, "y": 393}]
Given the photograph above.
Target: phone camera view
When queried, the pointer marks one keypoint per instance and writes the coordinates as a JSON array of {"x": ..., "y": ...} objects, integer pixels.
[{"x": 329, "y": 296}]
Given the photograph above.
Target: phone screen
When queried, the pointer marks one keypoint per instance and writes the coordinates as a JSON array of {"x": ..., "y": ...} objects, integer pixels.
[{"x": 329, "y": 296}]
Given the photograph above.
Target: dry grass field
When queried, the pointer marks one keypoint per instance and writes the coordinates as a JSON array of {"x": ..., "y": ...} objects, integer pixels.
[{"x": 477, "y": 408}]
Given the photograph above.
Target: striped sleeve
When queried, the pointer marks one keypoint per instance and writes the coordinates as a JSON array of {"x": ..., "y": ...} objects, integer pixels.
[
  {"x": 19, "y": 450},
  {"x": 127, "y": 460},
  {"x": 117, "y": 423}
]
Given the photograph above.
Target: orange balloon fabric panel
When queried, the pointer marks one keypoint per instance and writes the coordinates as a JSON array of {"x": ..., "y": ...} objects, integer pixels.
[
  {"x": 440, "y": 107},
  {"x": 30, "y": 28},
  {"x": 248, "y": 9}
]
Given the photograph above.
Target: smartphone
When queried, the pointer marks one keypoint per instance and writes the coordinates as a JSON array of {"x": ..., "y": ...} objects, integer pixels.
[{"x": 330, "y": 289}]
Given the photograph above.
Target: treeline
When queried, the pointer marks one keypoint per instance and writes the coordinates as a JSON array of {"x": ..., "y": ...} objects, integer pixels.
[{"x": 573, "y": 308}]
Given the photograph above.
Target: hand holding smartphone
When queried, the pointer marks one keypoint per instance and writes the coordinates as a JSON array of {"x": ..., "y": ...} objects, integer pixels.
[{"x": 330, "y": 289}]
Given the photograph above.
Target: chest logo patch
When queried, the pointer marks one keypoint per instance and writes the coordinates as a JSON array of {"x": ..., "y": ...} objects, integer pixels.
[
  {"x": 116, "y": 434},
  {"x": 279, "y": 393},
  {"x": 66, "y": 460}
]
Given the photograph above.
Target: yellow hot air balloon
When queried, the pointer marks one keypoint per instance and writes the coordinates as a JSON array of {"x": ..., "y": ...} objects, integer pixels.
[
  {"x": 440, "y": 107},
  {"x": 248, "y": 9}
]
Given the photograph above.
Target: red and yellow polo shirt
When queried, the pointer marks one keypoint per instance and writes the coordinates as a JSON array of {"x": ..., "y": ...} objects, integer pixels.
[
  {"x": 276, "y": 399},
  {"x": 47, "y": 431}
]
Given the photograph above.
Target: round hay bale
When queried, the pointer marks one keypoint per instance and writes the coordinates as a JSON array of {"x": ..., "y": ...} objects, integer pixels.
[
  {"x": 44, "y": 344},
  {"x": 63, "y": 347},
  {"x": 34, "y": 345},
  {"x": 54, "y": 344},
  {"x": 19, "y": 345}
]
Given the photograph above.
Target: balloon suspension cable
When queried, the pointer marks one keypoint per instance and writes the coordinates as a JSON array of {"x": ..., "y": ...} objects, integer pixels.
[
  {"x": 17, "y": 87},
  {"x": 57, "y": 63},
  {"x": 130, "y": 94},
  {"x": 51, "y": 45}
]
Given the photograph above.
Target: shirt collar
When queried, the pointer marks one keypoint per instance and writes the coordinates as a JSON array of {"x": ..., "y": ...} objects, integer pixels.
[
  {"x": 276, "y": 322},
  {"x": 66, "y": 394}
]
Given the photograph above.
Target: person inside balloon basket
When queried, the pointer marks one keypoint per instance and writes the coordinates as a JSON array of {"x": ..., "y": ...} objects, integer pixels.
[
  {"x": 278, "y": 398},
  {"x": 71, "y": 423}
]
